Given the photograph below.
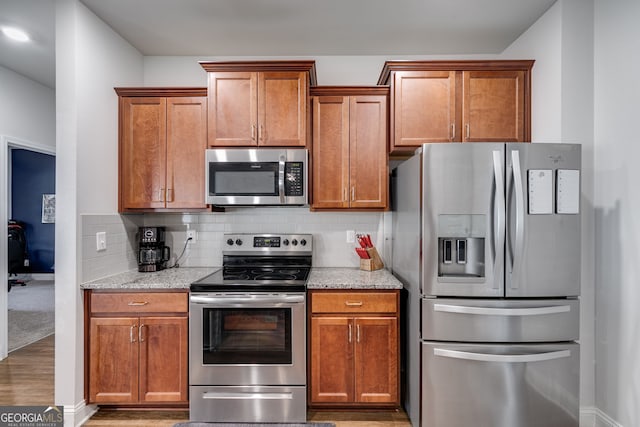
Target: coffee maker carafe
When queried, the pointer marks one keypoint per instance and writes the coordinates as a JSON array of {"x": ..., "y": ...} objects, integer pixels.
[{"x": 153, "y": 254}]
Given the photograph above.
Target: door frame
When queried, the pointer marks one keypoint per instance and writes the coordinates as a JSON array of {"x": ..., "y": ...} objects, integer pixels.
[{"x": 8, "y": 143}]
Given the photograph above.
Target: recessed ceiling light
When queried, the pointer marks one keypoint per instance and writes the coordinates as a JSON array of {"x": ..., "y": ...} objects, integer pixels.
[{"x": 15, "y": 34}]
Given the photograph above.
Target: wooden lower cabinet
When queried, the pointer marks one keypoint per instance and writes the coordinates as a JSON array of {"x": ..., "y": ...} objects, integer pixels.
[
  {"x": 354, "y": 349},
  {"x": 137, "y": 358}
]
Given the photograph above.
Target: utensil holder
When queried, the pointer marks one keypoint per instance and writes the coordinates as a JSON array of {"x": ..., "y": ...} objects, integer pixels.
[{"x": 373, "y": 263}]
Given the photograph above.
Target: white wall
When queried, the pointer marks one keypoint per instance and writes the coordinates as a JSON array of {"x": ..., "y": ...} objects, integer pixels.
[
  {"x": 617, "y": 203},
  {"x": 27, "y": 109},
  {"x": 90, "y": 60}
]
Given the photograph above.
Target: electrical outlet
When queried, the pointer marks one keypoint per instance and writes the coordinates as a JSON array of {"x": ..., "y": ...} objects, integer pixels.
[
  {"x": 192, "y": 234},
  {"x": 101, "y": 241},
  {"x": 351, "y": 236}
]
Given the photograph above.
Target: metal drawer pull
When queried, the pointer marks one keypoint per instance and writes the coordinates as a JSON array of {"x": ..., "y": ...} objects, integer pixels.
[
  {"x": 137, "y": 303},
  {"x": 244, "y": 396},
  {"x": 353, "y": 303},
  {"x": 502, "y": 358},
  {"x": 140, "y": 335},
  {"x": 488, "y": 311}
]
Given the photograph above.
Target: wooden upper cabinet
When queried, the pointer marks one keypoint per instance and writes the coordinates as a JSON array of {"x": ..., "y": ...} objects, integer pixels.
[
  {"x": 162, "y": 144},
  {"x": 259, "y": 103},
  {"x": 350, "y": 165},
  {"x": 143, "y": 152},
  {"x": 186, "y": 136},
  {"x": 425, "y": 109},
  {"x": 493, "y": 106},
  {"x": 458, "y": 101}
]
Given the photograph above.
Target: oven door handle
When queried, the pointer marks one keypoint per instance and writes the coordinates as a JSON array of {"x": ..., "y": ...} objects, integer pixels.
[{"x": 247, "y": 300}]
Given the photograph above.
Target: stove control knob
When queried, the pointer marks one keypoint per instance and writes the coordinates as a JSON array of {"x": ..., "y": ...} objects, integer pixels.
[
  {"x": 230, "y": 242},
  {"x": 294, "y": 242},
  {"x": 303, "y": 242},
  {"x": 285, "y": 242},
  {"x": 239, "y": 242}
]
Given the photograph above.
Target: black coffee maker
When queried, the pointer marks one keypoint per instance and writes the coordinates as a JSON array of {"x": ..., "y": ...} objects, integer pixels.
[{"x": 152, "y": 252}]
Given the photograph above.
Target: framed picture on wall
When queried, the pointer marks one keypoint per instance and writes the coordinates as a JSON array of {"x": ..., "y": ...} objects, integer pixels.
[{"x": 48, "y": 208}]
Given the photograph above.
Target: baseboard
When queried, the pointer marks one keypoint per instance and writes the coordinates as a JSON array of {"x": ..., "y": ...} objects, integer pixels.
[
  {"x": 76, "y": 416},
  {"x": 594, "y": 417}
]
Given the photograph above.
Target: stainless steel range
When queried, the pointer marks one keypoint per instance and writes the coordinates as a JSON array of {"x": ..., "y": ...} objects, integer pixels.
[{"x": 248, "y": 332}]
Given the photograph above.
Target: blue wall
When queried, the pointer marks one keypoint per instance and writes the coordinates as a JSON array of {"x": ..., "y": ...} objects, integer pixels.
[{"x": 32, "y": 175}]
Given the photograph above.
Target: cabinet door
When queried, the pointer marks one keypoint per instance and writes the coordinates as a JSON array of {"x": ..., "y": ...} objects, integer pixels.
[
  {"x": 143, "y": 153},
  {"x": 233, "y": 109},
  {"x": 332, "y": 360},
  {"x": 368, "y": 152},
  {"x": 282, "y": 108},
  {"x": 186, "y": 144},
  {"x": 424, "y": 108},
  {"x": 493, "y": 106},
  {"x": 376, "y": 360},
  {"x": 113, "y": 360},
  {"x": 330, "y": 152},
  {"x": 163, "y": 356}
]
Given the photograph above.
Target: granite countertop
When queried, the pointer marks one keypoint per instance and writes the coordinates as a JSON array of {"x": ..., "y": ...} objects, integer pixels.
[
  {"x": 173, "y": 278},
  {"x": 351, "y": 278},
  {"x": 181, "y": 278}
]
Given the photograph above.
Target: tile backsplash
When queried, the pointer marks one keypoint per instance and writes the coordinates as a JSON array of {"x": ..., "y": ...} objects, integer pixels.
[{"x": 328, "y": 229}]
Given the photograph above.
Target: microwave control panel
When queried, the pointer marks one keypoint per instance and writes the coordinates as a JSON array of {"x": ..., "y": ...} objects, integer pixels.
[{"x": 294, "y": 179}]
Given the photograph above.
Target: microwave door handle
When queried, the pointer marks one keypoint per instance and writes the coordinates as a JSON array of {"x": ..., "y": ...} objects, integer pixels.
[{"x": 281, "y": 164}]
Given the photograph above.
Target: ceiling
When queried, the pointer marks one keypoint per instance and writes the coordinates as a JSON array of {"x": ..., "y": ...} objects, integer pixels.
[{"x": 279, "y": 28}]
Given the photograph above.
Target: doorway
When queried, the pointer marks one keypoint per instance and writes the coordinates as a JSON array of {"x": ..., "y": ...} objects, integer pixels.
[{"x": 44, "y": 267}]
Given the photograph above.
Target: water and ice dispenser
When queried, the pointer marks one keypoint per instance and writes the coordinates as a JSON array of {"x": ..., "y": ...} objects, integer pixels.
[{"x": 461, "y": 240}]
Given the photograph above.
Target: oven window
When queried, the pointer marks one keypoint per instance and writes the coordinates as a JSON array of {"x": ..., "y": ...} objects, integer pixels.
[
  {"x": 246, "y": 336},
  {"x": 244, "y": 179}
]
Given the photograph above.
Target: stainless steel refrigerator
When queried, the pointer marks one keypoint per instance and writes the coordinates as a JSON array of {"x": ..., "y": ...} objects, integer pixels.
[{"x": 486, "y": 239}]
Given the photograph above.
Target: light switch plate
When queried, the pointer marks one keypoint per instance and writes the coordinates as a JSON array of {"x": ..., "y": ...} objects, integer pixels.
[{"x": 101, "y": 241}]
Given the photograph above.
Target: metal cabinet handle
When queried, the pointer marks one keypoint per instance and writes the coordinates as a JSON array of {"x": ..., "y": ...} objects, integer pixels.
[
  {"x": 453, "y": 131},
  {"x": 160, "y": 195},
  {"x": 350, "y": 332},
  {"x": 140, "y": 334},
  {"x": 468, "y": 130},
  {"x": 261, "y": 133},
  {"x": 137, "y": 303},
  {"x": 345, "y": 198},
  {"x": 353, "y": 303},
  {"x": 169, "y": 192},
  {"x": 253, "y": 132},
  {"x": 357, "y": 333},
  {"x": 131, "y": 334},
  {"x": 353, "y": 193}
]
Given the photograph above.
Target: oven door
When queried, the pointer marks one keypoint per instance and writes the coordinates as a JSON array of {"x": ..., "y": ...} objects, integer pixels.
[{"x": 247, "y": 339}]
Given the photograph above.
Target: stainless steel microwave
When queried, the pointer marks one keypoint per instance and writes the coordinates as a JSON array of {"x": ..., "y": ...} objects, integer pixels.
[{"x": 256, "y": 176}]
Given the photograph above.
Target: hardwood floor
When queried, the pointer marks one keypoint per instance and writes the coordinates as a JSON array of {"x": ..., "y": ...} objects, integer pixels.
[
  {"x": 168, "y": 418},
  {"x": 26, "y": 378}
]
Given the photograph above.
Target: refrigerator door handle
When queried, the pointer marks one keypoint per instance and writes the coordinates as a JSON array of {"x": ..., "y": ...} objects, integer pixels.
[
  {"x": 490, "y": 311},
  {"x": 502, "y": 358},
  {"x": 516, "y": 259},
  {"x": 499, "y": 212}
]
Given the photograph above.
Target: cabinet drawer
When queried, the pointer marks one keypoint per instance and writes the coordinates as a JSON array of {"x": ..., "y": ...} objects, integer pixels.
[
  {"x": 354, "y": 302},
  {"x": 139, "y": 302}
]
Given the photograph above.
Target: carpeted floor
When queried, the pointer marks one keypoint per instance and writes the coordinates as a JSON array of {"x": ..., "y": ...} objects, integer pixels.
[{"x": 31, "y": 313}]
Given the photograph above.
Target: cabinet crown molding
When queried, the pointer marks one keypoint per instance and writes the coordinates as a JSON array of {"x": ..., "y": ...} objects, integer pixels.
[
  {"x": 382, "y": 90},
  {"x": 461, "y": 65},
  {"x": 160, "y": 91},
  {"x": 308, "y": 66}
]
